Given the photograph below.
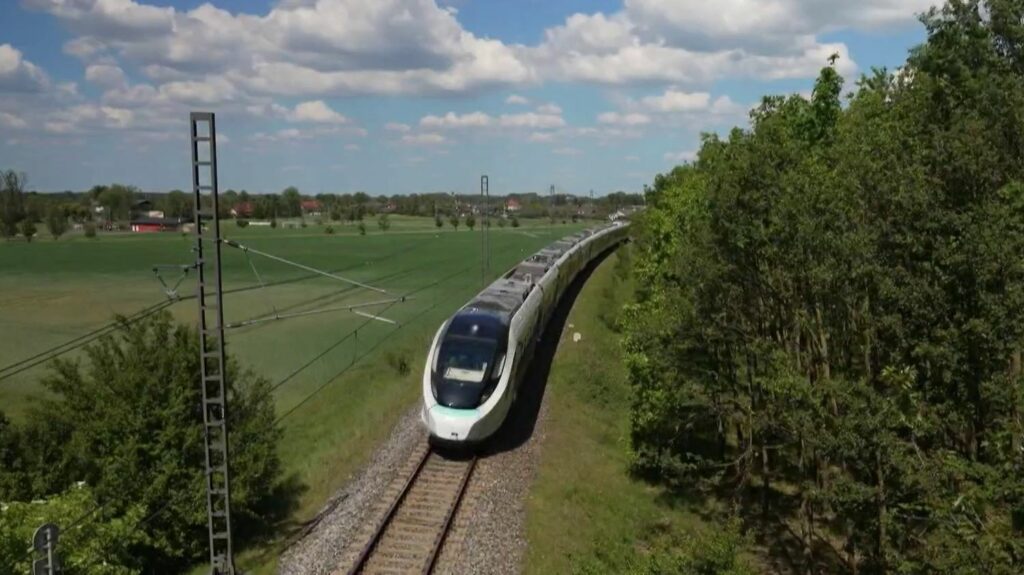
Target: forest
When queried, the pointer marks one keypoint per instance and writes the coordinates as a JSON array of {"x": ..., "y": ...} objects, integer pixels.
[{"x": 827, "y": 333}]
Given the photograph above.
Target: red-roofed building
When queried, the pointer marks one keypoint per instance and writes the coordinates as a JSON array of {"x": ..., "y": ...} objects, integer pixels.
[
  {"x": 311, "y": 207},
  {"x": 512, "y": 205},
  {"x": 242, "y": 210}
]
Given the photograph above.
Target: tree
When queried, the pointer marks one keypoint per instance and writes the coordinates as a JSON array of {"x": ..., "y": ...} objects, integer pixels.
[
  {"x": 515, "y": 222},
  {"x": 501, "y": 222},
  {"x": 12, "y": 201},
  {"x": 56, "y": 221},
  {"x": 28, "y": 229},
  {"x": 438, "y": 223},
  {"x": 177, "y": 204},
  {"x": 454, "y": 221},
  {"x": 292, "y": 200},
  {"x": 383, "y": 222},
  {"x": 362, "y": 228},
  {"x": 470, "y": 222},
  {"x": 128, "y": 425},
  {"x": 117, "y": 200}
]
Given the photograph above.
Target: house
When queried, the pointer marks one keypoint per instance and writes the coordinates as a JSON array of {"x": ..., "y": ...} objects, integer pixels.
[
  {"x": 157, "y": 224},
  {"x": 512, "y": 205},
  {"x": 312, "y": 207},
  {"x": 242, "y": 210}
]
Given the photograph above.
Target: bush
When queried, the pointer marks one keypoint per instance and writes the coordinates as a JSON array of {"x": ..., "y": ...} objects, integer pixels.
[
  {"x": 501, "y": 222},
  {"x": 515, "y": 222},
  {"x": 28, "y": 229},
  {"x": 242, "y": 223},
  {"x": 303, "y": 223},
  {"x": 127, "y": 424},
  {"x": 384, "y": 223},
  {"x": 273, "y": 223},
  {"x": 399, "y": 363},
  {"x": 56, "y": 222},
  {"x": 470, "y": 222},
  {"x": 362, "y": 228},
  {"x": 319, "y": 221},
  {"x": 90, "y": 229},
  {"x": 437, "y": 222},
  {"x": 329, "y": 230}
]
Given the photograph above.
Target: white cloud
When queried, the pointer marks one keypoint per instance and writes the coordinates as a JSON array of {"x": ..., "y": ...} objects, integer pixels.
[
  {"x": 567, "y": 151},
  {"x": 424, "y": 139},
  {"x": 105, "y": 75},
  {"x": 12, "y": 121},
  {"x": 624, "y": 119},
  {"x": 18, "y": 74},
  {"x": 541, "y": 137},
  {"x": 316, "y": 111},
  {"x": 517, "y": 100},
  {"x": 396, "y": 127},
  {"x": 549, "y": 108},
  {"x": 674, "y": 100},
  {"x": 453, "y": 120},
  {"x": 531, "y": 120}
]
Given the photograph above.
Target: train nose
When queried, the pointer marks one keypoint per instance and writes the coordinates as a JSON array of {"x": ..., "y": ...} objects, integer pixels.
[{"x": 452, "y": 424}]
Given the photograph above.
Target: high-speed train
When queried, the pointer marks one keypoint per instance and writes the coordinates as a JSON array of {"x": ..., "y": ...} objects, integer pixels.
[{"x": 480, "y": 355}]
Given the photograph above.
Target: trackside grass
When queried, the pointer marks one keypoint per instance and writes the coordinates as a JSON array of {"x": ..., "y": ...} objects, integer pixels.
[{"x": 585, "y": 513}]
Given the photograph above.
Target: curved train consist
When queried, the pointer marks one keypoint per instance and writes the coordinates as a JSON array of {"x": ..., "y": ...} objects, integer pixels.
[{"x": 480, "y": 355}]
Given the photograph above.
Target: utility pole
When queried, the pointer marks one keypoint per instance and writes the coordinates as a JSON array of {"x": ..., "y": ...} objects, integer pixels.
[
  {"x": 213, "y": 370},
  {"x": 485, "y": 239},
  {"x": 551, "y": 209}
]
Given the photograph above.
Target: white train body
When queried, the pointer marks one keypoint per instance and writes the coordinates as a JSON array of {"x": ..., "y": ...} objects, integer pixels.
[{"x": 479, "y": 356}]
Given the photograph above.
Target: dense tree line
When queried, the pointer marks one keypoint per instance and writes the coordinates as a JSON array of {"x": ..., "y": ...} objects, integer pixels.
[
  {"x": 829, "y": 326},
  {"x": 122, "y": 434}
]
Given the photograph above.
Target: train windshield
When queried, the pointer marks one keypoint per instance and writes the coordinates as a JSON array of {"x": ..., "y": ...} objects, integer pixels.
[
  {"x": 466, "y": 360},
  {"x": 469, "y": 360}
]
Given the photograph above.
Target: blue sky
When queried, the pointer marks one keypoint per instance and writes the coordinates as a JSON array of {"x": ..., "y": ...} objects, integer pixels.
[{"x": 400, "y": 96}]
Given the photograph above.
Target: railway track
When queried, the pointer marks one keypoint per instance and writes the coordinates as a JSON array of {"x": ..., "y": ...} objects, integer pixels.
[{"x": 409, "y": 537}]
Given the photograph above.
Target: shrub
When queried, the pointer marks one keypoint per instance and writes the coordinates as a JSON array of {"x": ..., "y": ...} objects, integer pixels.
[
  {"x": 515, "y": 222},
  {"x": 329, "y": 230},
  {"x": 437, "y": 222},
  {"x": 303, "y": 223},
  {"x": 242, "y": 223},
  {"x": 501, "y": 222},
  {"x": 273, "y": 222},
  {"x": 384, "y": 223},
  {"x": 28, "y": 229},
  {"x": 362, "y": 228},
  {"x": 454, "y": 221},
  {"x": 470, "y": 222},
  {"x": 399, "y": 363},
  {"x": 90, "y": 229},
  {"x": 319, "y": 221}
]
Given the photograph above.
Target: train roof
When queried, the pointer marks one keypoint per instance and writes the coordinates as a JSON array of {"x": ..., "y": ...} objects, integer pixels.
[{"x": 504, "y": 297}]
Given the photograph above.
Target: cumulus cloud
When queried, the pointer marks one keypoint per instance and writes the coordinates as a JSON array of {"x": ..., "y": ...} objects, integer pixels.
[
  {"x": 18, "y": 74},
  {"x": 549, "y": 108},
  {"x": 517, "y": 100},
  {"x": 105, "y": 75},
  {"x": 424, "y": 139},
  {"x": 453, "y": 120},
  {"x": 316, "y": 111},
  {"x": 397, "y": 127},
  {"x": 674, "y": 100},
  {"x": 629, "y": 119}
]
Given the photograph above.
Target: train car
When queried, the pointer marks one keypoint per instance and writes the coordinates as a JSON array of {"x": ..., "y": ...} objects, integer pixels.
[{"x": 479, "y": 356}]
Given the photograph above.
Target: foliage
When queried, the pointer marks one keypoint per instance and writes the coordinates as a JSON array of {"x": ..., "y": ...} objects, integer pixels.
[
  {"x": 830, "y": 319},
  {"x": 437, "y": 222},
  {"x": 515, "y": 222},
  {"x": 329, "y": 230},
  {"x": 117, "y": 200},
  {"x": 383, "y": 223},
  {"x": 90, "y": 229},
  {"x": 362, "y": 228},
  {"x": 28, "y": 229},
  {"x": 273, "y": 223},
  {"x": 470, "y": 222},
  {"x": 12, "y": 202},
  {"x": 56, "y": 221},
  {"x": 292, "y": 200},
  {"x": 501, "y": 222},
  {"x": 242, "y": 223},
  {"x": 128, "y": 424},
  {"x": 454, "y": 221},
  {"x": 96, "y": 545}
]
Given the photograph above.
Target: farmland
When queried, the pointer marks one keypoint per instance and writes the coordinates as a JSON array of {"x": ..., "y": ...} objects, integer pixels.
[{"x": 56, "y": 291}]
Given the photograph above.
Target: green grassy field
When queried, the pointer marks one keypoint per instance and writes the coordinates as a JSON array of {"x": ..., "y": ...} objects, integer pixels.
[
  {"x": 586, "y": 514},
  {"x": 54, "y": 291}
]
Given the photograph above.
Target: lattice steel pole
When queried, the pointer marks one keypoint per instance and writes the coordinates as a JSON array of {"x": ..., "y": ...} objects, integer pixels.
[
  {"x": 210, "y": 296},
  {"x": 485, "y": 229}
]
